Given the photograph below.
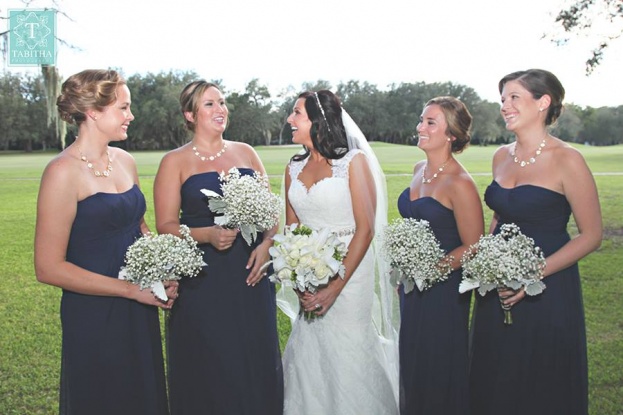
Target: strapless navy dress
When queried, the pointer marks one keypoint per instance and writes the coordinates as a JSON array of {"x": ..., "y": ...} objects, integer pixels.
[
  {"x": 112, "y": 350},
  {"x": 223, "y": 347},
  {"x": 537, "y": 365},
  {"x": 434, "y": 327}
]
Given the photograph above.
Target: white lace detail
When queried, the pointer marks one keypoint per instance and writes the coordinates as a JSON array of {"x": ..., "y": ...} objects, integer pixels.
[
  {"x": 338, "y": 169},
  {"x": 352, "y": 375}
]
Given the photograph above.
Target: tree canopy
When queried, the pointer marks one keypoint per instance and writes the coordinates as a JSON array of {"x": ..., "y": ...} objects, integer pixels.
[{"x": 258, "y": 118}]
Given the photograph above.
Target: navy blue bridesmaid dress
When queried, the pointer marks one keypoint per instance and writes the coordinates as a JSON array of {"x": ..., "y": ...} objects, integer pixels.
[
  {"x": 223, "y": 347},
  {"x": 537, "y": 365},
  {"x": 434, "y": 327},
  {"x": 112, "y": 351}
]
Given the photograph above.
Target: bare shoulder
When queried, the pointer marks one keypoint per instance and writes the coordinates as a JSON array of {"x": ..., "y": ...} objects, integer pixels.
[
  {"x": 358, "y": 160},
  {"x": 176, "y": 156},
  {"x": 464, "y": 183},
  {"x": 241, "y": 147},
  {"x": 62, "y": 167},
  {"x": 122, "y": 156},
  {"x": 503, "y": 151},
  {"x": 61, "y": 175},
  {"x": 568, "y": 157},
  {"x": 418, "y": 166}
]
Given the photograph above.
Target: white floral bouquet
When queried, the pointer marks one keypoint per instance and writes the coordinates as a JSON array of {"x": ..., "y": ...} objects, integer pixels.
[
  {"x": 247, "y": 203},
  {"x": 152, "y": 259},
  {"x": 414, "y": 254},
  {"x": 306, "y": 259},
  {"x": 508, "y": 259}
]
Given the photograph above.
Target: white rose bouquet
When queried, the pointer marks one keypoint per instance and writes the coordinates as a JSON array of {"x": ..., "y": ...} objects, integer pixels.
[
  {"x": 247, "y": 203},
  {"x": 508, "y": 259},
  {"x": 414, "y": 254},
  {"x": 152, "y": 259},
  {"x": 306, "y": 259}
]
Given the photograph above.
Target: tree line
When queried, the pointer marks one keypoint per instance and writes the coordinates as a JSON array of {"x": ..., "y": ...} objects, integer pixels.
[{"x": 258, "y": 118}]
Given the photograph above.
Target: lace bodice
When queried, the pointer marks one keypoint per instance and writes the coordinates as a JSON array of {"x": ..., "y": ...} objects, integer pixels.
[{"x": 327, "y": 203}]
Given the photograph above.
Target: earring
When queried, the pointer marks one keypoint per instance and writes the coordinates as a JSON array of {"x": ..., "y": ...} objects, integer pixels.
[
  {"x": 448, "y": 139},
  {"x": 540, "y": 109}
]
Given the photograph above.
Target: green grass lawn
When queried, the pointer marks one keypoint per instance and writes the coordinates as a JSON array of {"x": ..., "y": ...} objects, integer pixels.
[{"x": 30, "y": 336}]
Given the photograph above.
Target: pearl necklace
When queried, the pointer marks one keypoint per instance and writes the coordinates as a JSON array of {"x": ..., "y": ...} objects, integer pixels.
[
  {"x": 104, "y": 174},
  {"x": 531, "y": 160},
  {"x": 437, "y": 173},
  {"x": 210, "y": 158}
]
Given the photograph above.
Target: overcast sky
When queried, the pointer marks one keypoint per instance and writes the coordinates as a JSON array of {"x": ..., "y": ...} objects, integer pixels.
[{"x": 288, "y": 42}]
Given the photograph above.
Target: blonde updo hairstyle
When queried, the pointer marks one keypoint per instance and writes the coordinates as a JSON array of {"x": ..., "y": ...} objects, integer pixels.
[
  {"x": 87, "y": 90},
  {"x": 458, "y": 119},
  {"x": 190, "y": 99}
]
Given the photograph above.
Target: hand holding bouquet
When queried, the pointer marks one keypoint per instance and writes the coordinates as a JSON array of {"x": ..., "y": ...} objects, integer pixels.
[
  {"x": 414, "y": 254},
  {"x": 153, "y": 259},
  {"x": 247, "y": 203},
  {"x": 508, "y": 259},
  {"x": 306, "y": 259}
]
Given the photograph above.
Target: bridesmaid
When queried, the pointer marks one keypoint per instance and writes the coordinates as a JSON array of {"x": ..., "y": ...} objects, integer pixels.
[
  {"x": 223, "y": 348},
  {"x": 538, "y": 364},
  {"x": 434, "y": 323},
  {"x": 89, "y": 211}
]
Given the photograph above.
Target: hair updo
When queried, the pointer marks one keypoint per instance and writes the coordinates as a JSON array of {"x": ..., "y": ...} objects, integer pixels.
[
  {"x": 86, "y": 90},
  {"x": 458, "y": 119},
  {"x": 540, "y": 82}
]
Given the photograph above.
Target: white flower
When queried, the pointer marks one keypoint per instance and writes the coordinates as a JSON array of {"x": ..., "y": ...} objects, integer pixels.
[
  {"x": 414, "y": 254},
  {"x": 152, "y": 259},
  {"x": 507, "y": 259},
  {"x": 247, "y": 203},
  {"x": 306, "y": 259}
]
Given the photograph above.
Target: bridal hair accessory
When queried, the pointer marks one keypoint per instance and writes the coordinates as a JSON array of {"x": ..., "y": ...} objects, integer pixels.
[
  {"x": 531, "y": 160},
  {"x": 322, "y": 110},
  {"x": 97, "y": 173},
  {"x": 210, "y": 158}
]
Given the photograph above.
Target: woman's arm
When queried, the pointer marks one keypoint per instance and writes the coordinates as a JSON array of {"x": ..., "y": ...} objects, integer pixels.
[
  {"x": 468, "y": 214},
  {"x": 56, "y": 212},
  {"x": 168, "y": 201},
  {"x": 581, "y": 192},
  {"x": 260, "y": 255},
  {"x": 290, "y": 214},
  {"x": 363, "y": 195}
]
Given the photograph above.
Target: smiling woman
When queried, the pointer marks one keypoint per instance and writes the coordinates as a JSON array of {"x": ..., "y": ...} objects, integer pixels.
[
  {"x": 223, "y": 329},
  {"x": 89, "y": 211},
  {"x": 344, "y": 360},
  {"x": 539, "y": 181}
]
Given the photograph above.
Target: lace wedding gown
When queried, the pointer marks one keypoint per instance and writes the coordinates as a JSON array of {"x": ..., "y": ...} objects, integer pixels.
[{"x": 336, "y": 364}]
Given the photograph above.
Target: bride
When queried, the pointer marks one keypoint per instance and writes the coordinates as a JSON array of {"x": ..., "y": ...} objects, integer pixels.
[{"x": 344, "y": 360}]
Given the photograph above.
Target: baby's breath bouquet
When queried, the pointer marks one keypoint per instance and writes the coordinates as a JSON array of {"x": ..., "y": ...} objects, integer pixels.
[
  {"x": 414, "y": 254},
  {"x": 152, "y": 259},
  {"x": 508, "y": 259},
  {"x": 306, "y": 259},
  {"x": 247, "y": 203}
]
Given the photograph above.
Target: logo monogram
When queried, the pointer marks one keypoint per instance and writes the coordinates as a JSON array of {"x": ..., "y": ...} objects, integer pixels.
[{"x": 32, "y": 37}]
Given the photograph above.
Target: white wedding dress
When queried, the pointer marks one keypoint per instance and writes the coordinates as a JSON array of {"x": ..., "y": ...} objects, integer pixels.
[{"x": 336, "y": 364}]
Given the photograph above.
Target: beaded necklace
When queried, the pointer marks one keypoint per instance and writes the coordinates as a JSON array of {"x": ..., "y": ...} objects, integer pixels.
[
  {"x": 531, "y": 160},
  {"x": 437, "y": 173},
  {"x": 104, "y": 174},
  {"x": 210, "y": 158}
]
